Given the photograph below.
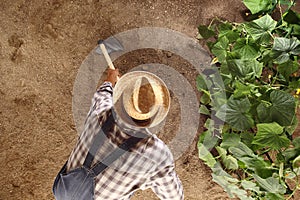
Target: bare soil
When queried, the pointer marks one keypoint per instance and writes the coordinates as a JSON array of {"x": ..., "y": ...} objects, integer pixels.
[{"x": 42, "y": 45}]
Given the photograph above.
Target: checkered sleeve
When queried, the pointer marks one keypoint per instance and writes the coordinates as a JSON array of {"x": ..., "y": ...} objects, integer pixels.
[
  {"x": 167, "y": 184},
  {"x": 102, "y": 100}
]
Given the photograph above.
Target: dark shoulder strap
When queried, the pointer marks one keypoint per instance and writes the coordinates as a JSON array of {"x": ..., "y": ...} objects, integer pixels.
[
  {"x": 98, "y": 140},
  {"x": 123, "y": 148}
]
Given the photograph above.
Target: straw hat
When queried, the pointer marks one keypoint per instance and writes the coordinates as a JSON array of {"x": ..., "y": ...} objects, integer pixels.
[{"x": 140, "y": 96}]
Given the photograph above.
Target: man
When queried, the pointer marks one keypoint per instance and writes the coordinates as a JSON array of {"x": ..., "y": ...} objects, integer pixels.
[{"x": 139, "y": 102}]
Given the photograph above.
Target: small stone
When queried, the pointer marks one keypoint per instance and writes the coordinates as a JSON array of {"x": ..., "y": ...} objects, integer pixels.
[
  {"x": 22, "y": 83},
  {"x": 51, "y": 31},
  {"x": 145, "y": 67},
  {"x": 169, "y": 54}
]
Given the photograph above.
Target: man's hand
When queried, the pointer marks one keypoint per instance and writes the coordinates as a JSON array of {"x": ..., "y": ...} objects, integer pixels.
[{"x": 112, "y": 76}]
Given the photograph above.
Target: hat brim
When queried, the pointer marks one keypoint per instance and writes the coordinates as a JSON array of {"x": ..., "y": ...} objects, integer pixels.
[{"x": 125, "y": 108}]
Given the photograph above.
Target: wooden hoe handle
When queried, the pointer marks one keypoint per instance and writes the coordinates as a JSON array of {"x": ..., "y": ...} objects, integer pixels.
[{"x": 107, "y": 57}]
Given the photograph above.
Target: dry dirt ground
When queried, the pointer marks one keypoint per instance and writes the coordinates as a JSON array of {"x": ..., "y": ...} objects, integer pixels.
[{"x": 42, "y": 45}]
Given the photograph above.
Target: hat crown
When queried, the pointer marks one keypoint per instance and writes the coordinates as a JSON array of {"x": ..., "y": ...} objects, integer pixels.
[{"x": 143, "y": 96}]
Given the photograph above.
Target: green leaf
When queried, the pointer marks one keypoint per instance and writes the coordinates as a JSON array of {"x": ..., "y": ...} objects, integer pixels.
[
  {"x": 260, "y": 29},
  {"x": 236, "y": 113},
  {"x": 296, "y": 142},
  {"x": 230, "y": 140},
  {"x": 283, "y": 48},
  {"x": 222, "y": 152},
  {"x": 242, "y": 90},
  {"x": 287, "y": 68},
  {"x": 281, "y": 109},
  {"x": 266, "y": 57},
  {"x": 218, "y": 170},
  {"x": 294, "y": 85},
  {"x": 286, "y": 2},
  {"x": 233, "y": 55},
  {"x": 228, "y": 183},
  {"x": 256, "y": 6},
  {"x": 220, "y": 49},
  {"x": 208, "y": 80},
  {"x": 295, "y": 30},
  {"x": 205, "y": 32},
  {"x": 207, "y": 138},
  {"x": 247, "y": 48},
  {"x": 246, "y": 138},
  {"x": 205, "y": 155},
  {"x": 273, "y": 196},
  {"x": 229, "y": 161},
  {"x": 231, "y": 35},
  {"x": 249, "y": 185},
  {"x": 205, "y": 98},
  {"x": 271, "y": 128},
  {"x": 226, "y": 29},
  {"x": 230, "y": 188},
  {"x": 270, "y": 184},
  {"x": 201, "y": 83},
  {"x": 245, "y": 68},
  {"x": 291, "y": 129},
  {"x": 269, "y": 135},
  {"x": 258, "y": 165},
  {"x": 290, "y": 154},
  {"x": 222, "y": 182},
  {"x": 241, "y": 150},
  {"x": 204, "y": 110},
  {"x": 218, "y": 99},
  {"x": 209, "y": 124}
]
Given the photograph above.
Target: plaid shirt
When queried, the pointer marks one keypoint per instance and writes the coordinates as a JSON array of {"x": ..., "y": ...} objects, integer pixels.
[{"x": 149, "y": 165}]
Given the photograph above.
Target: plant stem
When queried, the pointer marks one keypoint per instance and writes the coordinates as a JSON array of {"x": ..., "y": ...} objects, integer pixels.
[
  {"x": 280, "y": 10},
  {"x": 269, "y": 157},
  {"x": 274, "y": 78},
  {"x": 266, "y": 102},
  {"x": 281, "y": 14},
  {"x": 271, "y": 34},
  {"x": 294, "y": 191},
  {"x": 212, "y": 21}
]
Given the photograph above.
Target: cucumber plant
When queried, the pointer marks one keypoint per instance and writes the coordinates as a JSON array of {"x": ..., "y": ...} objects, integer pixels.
[{"x": 250, "y": 142}]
